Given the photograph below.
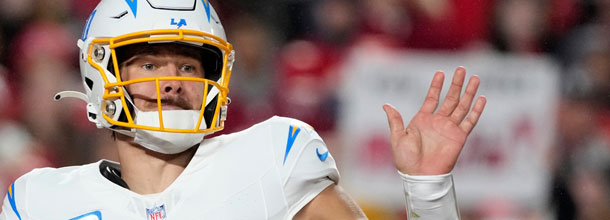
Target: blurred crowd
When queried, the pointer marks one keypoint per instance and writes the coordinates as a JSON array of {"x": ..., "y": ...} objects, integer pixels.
[{"x": 288, "y": 53}]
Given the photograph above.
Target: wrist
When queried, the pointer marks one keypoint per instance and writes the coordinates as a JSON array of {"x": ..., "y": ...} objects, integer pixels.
[
  {"x": 430, "y": 196},
  {"x": 407, "y": 177}
]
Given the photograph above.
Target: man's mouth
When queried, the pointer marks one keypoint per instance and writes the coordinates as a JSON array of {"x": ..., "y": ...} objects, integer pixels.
[
  {"x": 171, "y": 107},
  {"x": 175, "y": 104},
  {"x": 168, "y": 104}
]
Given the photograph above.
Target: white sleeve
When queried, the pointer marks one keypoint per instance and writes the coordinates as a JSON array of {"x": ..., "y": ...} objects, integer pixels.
[
  {"x": 430, "y": 197},
  {"x": 309, "y": 177},
  {"x": 7, "y": 213},
  {"x": 13, "y": 207},
  {"x": 308, "y": 168}
]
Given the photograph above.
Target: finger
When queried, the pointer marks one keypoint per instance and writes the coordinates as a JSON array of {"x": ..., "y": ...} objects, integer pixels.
[
  {"x": 466, "y": 101},
  {"x": 434, "y": 93},
  {"x": 473, "y": 116},
  {"x": 453, "y": 96},
  {"x": 397, "y": 126}
]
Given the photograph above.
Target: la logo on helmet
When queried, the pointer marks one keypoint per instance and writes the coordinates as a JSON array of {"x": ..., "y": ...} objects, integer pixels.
[{"x": 180, "y": 23}]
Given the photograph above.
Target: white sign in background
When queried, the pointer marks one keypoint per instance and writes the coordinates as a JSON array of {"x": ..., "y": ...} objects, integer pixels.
[{"x": 504, "y": 156}]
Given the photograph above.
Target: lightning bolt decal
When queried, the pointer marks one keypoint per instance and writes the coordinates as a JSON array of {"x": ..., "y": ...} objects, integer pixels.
[
  {"x": 206, "y": 5},
  {"x": 11, "y": 199},
  {"x": 292, "y": 135},
  {"x": 133, "y": 4},
  {"x": 86, "y": 31}
]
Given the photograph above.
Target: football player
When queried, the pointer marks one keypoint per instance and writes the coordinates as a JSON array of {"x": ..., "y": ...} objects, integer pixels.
[{"x": 156, "y": 73}]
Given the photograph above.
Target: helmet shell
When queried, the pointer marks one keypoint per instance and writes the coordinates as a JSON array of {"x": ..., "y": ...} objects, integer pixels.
[{"x": 116, "y": 23}]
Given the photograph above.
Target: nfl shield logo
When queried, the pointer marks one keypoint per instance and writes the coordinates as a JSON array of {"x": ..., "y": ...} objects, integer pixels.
[{"x": 156, "y": 213}]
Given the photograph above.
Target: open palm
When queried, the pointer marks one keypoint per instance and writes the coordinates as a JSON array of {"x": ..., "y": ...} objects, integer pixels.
[{"x": 432, "y": 142}]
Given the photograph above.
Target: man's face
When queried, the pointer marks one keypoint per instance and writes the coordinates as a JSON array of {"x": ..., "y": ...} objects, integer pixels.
[{"x": 175, "y": 95}]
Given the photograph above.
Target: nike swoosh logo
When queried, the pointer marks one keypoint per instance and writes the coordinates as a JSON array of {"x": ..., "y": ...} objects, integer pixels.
[{"x": 323, "y": 156}]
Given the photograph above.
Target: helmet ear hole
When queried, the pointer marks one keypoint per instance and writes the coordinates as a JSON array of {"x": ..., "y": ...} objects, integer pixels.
[
  {"x": 92, "y": 115},
  {"x": 89, "y": 83}
]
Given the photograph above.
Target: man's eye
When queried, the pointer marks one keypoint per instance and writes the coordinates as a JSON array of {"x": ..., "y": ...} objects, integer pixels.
[
  {"x": 148, "y": 66},
  {"x": 187, "y": 68}
]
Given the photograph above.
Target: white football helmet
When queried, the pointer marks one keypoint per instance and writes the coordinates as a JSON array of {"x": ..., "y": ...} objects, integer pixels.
[{"x": 116, "y": 24}]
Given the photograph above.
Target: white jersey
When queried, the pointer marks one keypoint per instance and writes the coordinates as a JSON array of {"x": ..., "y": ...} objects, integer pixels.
[{"x": 269, "y": 171}]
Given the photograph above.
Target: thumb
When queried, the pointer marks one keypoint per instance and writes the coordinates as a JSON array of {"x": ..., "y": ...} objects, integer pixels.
[{"x": 397, "y": 126}]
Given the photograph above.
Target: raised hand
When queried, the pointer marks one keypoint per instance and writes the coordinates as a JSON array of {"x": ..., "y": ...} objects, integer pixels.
[{"x": 432, "y": 142}]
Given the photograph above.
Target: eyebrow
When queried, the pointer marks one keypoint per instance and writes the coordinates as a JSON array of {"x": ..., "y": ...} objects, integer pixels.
[{"x": 129, "y": 61}]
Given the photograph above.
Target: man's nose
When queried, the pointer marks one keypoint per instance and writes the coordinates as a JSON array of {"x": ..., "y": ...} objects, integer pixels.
[{"x": 171, "y": 86}]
